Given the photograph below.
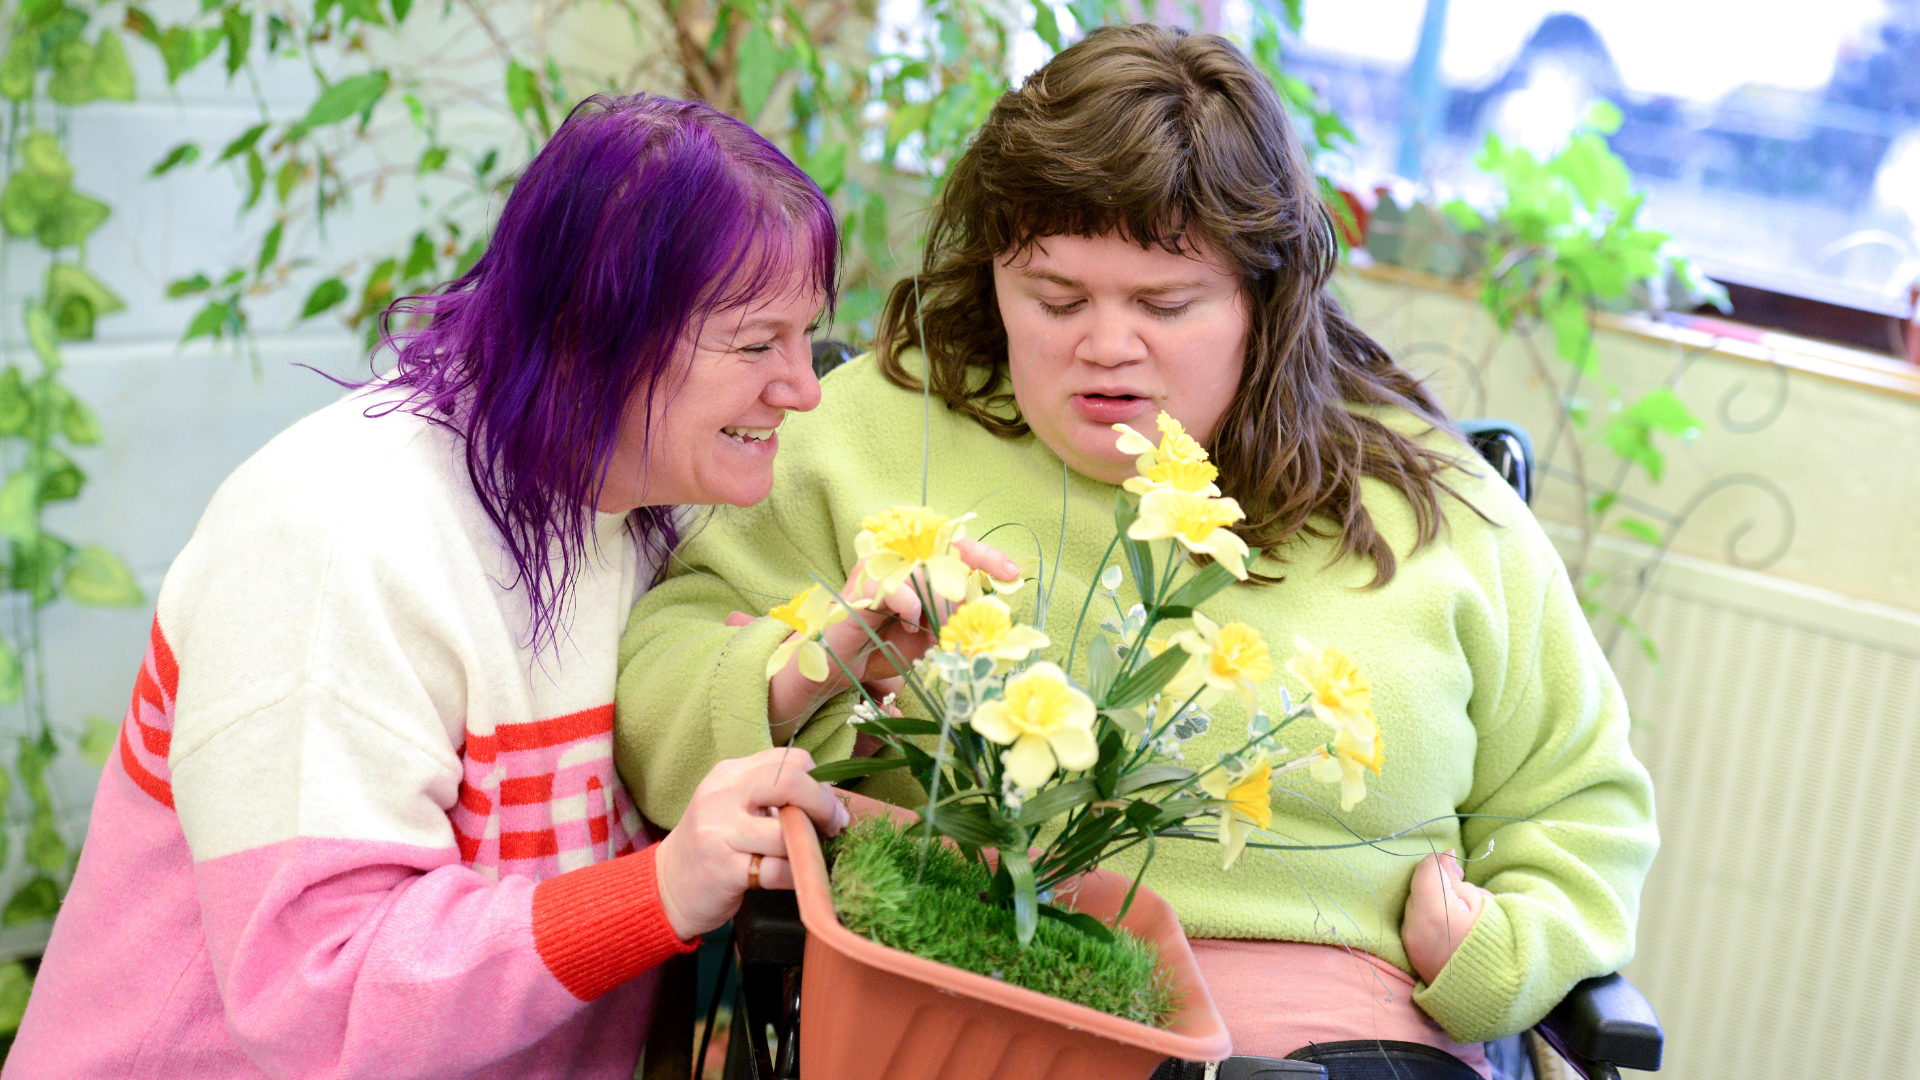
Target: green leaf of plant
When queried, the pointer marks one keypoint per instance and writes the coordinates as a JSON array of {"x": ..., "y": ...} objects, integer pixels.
[
  {"x": 18, "y": 66},
  {"x": 828, "y": 167},
  {"x": 759, "y": 64},
  {"x": 1572, "y": 333},
  {"x": 400, "y": 9},
  {"x": 96, "y": 576},
  {"x": 420, "y": 257},
  {"x": 966, "y": 822},
  {"x": 1046, "y": 24},
  {"x": 1199, "y": 588},
  {"x": 523, "y": 94},
  {"x": 236, "y": 27},
  {"x": 1148, "y": 680},
  {"x": 269, "y": 248},
  {"x": 112, "y": 75},
  {"x": 1149, "y": 776},
  {"x": 72, "y": 79},
  {"x": 241, "y": 144},
  {"x": 852, "y": 768},
  {"x": 209, "y": 322},
  {"x": 78, "y": 423},
  {"x": 46, "y": 848},
  {"x": 324, "y": 295},
  {"x": 60, "y": 478},
  {"x": 198, "y": 283},
  {"x": 12, "y": 679},
  {"x": 36, "y": 901},
  {"x": 71, "y": 220},
  {"x": 348, "y": 97},
  {"x": 15, "y": 986},
  {"x": 16, "y": 407},
  {"x": 35, "y": 565},
  {"x": 183, "y": 49},
  {"x": 1639, "y": 530},
  {"x": 98, "y": 743},
  {"x": 1102, "y": 668},
  {"x": 908, "y": 119},
  {"x": 1026, "y": 901},
  {"x": 66, "y": 279},
  {"x": 1663, "y": 410},
  {"x": 256, "y": 178},
  {"x": 1079, "y": 920},
  {"x": 40, "y": 334},
  {"x": 1051, "y": 802},
  {"x": 1603, "y": 116},
  {"x": 433, "y": 159}
]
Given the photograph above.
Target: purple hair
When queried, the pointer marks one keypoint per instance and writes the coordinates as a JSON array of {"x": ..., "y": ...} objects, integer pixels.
[{"x": 637, "y": 218}]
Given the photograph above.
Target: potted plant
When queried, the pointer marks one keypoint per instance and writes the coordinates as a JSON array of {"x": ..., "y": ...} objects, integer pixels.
[{"x": 1032, "y": 778}]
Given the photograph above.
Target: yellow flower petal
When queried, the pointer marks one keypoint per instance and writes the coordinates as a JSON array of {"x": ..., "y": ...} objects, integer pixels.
[{"x": 1030, "y": 762}]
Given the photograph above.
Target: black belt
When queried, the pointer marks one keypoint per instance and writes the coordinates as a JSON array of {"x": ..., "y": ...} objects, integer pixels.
[{"x": 1360, "y": 1059}]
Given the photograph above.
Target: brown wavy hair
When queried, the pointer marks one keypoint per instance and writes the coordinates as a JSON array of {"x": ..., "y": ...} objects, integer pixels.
[{"x": 1162, "y": 136}]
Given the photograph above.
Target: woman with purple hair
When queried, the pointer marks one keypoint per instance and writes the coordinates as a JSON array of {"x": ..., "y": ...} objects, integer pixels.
[{"x": 363, "y": 818}]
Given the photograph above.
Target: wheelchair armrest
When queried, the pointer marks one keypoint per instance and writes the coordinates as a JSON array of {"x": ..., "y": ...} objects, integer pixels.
[
  {"x": 767, "y": 928},
  {"x": 1607, "y": 1019}
]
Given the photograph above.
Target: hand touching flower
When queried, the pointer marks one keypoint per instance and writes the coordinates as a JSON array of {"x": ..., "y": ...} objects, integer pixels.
[
  {"x": 1046, "y": 722},
  {"x": 809, "y": 613},
  {"x": 898, "y": 541}
]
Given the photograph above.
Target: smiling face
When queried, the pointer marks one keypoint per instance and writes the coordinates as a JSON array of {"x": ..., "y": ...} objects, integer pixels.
[
  {"x": 1101, "y": 331},
  {"x": 711, "y": 424}
]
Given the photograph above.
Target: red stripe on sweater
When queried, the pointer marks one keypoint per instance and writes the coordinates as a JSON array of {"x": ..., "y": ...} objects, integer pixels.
[
  {"x": 145, "y": 780},
  {"x": 522, "y": 790},
  {"x": 601, "y": 925},
  {"x": 163, "y": 661},
  {"x": 475, "y": 800},
  {"x": 528, "y": 845},
  {"x": 481, "y": 748},
  {"x": 560, "y": 730},
  {"x": 157, "y": 740}
]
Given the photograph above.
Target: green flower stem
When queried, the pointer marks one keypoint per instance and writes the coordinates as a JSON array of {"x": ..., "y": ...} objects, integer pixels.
[{"x": 1073, "y": 647}]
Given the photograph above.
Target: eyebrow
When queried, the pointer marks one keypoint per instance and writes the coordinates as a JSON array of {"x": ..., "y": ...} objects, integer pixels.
[{"x": 1156, "y": 289}]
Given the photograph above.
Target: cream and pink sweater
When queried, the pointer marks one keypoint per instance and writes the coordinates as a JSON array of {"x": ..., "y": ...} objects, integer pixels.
[{"x": 354, "y": 827}]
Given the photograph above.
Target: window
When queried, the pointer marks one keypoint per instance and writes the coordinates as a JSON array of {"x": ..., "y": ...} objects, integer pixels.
[{"x": 1779, "y": 144}]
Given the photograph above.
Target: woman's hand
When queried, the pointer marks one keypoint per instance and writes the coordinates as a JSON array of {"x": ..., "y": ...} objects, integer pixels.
[
  {"x": 703, "y": 864},
  {"x": 896, "y": 618},
  {"x": 1441, "y": 907}
]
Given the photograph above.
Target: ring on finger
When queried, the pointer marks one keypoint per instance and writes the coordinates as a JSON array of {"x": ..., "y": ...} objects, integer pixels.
[{"x": 753, "y": 873}]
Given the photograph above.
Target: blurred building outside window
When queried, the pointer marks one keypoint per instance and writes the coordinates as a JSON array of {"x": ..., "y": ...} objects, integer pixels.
[{"x": 1778, "y": 143}]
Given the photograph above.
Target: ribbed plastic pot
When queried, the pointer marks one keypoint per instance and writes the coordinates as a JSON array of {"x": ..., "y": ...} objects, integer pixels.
[{"x": 869, "y": 1012}]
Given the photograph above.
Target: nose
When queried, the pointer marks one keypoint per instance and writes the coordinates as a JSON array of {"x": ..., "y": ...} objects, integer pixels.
[
  {"x": 1111, "y": 339},
  {"x": 794, "y": 387}
]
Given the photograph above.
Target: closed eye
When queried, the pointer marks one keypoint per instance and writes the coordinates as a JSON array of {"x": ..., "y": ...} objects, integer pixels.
[
  {"x": 1165, "y": 311},
  {"x": 1062, "y": 309}
]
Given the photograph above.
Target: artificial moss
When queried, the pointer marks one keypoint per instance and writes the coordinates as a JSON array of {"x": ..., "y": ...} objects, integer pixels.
[{"x": 883, "y": 891}]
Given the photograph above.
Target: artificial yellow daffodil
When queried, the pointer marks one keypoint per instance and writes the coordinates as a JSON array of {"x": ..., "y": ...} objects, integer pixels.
[
  {"x": 896, "y": 542},
  {"x": 1249, "y": 804},
  {"x": 1347, "y": 765},
  {"x": 980, "y": 583},
  {"x": 1044, "y": 721},
  {"x": 1175, "y": 444},
  {"x": 809, "y": 613},
  {"x": 985, "y": 627},
  {"x": 1230, "y": 657},
  {"x": 1198, "y": 522},
  {"x": 1193, "y": 476},
  {"x": 1341, "y": 696}
]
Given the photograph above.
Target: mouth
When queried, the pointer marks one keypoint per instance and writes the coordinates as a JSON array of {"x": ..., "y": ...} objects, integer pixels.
[
  {"x": 1117, "y": 407},
  {"x": 748, "y": 436}
]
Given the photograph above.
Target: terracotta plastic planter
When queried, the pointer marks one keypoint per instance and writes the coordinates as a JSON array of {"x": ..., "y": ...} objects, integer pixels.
[{"x": 870, "y": 1012}]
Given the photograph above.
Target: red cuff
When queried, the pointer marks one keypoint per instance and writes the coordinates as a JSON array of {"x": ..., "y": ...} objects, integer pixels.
[{"x": 601, "y": 925}]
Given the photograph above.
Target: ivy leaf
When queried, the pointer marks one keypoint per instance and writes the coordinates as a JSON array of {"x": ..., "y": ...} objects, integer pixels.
[
  {"x": 433, "y": 160},
  {"x": 1639, "y": 530},
  {"x": 16, "y": 408},
  {"x": 98, "y": 742},
  {"x": 36, "y": 901},
  {"x": 96, "y": 576},
  {"x": 112, "y": 74},
  {"x": 35, "y": 565},
  {"x": 828, "y": 167},
  {"x": 242, "y": 144},
  {"x": 290, "y": 175},
  {"x": 71, "y": 220},
  {"x": 420, "y": 257},
  {"x": 343, "y": 99},
  {"x": 15, "y": 986},
  {"x": 237, "y": 28},
  {"x": 400, "y": 9},
  {"x": 1046, "y": 24},
  {"x": 1663, "y": 410},
  {"x": 180, "y": 287},
  {"x": 12, "y": 679},
  {"x": 183, "y": 49},
  {"x": 60, "y": 478},
  {"x": 40, "y": 334},
  {"x": 524, "y": 97},
  {"x": 759, "y": 64},
  {"x": 269, "y": 248},
  {"x": 18, "y": 66},
  {"x": 1572, "y": 333},
  {"x": 256, "y": 178},
  {"x": 46, "y": 848},
  {"x": 184, "y": 154},
  {"x": 210, "y": 321},
  {"x": 324, "y": 295},
  {"x": 72, "y": 80}
]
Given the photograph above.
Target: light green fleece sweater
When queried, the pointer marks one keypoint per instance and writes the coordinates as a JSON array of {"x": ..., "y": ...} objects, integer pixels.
[{"x": 1490, "y": 691}]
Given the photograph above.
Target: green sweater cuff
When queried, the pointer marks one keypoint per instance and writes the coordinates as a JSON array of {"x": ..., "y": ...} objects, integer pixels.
[
  {"x": 738, "y": 719},
  {"x": 1474, "y": 997}
]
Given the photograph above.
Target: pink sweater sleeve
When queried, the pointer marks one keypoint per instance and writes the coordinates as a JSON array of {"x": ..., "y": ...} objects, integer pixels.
[{"x": 344, "y": 958}]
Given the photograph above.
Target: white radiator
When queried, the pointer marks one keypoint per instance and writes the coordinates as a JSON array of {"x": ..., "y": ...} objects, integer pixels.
[{"x": 1780, "y": 930}]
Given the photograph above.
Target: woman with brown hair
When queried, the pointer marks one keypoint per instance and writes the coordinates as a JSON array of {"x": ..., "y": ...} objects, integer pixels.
[{"x": 1135, "y": 231}]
